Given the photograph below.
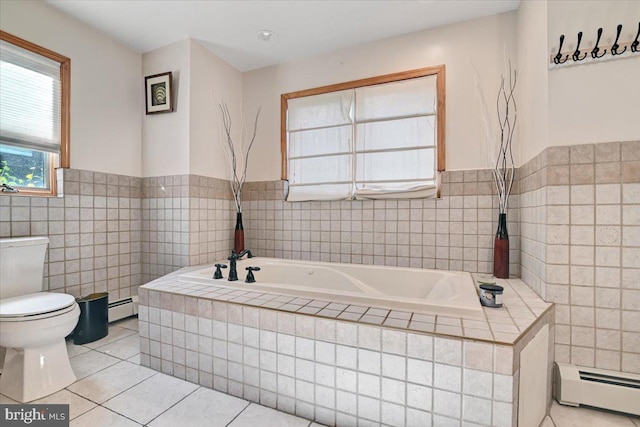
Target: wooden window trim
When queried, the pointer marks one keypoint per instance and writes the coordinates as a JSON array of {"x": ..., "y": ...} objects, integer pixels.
[
  {"x": 438, "y": 71},
  {"x": 65, "y": 113}
]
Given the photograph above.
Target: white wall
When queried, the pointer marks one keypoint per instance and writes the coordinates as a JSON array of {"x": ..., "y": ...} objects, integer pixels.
[
  {"x": 105, "y": 86},
  {"x": 212, "y": 81},
  {"x": 596, "y": 102},
  {"x": 482, "y": 42},
  {"x": 533, "y": 80},
  {"x": 165, "y": 136}
]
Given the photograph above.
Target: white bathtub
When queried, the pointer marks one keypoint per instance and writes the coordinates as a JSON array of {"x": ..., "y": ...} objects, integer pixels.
[{"x": 450, "y": 293}]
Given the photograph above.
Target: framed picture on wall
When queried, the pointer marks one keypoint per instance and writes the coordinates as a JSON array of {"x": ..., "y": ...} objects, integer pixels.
[{"x": 159, "y": 93}]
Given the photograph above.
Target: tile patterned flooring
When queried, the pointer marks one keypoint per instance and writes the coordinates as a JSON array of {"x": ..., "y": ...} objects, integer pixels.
[{"x": 111, "y": 384}]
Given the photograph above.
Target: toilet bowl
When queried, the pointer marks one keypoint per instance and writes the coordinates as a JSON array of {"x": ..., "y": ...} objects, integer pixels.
[{"x": 33, "y": 325}]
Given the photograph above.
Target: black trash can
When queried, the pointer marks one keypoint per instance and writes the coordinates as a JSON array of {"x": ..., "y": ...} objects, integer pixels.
[{"x": 93, "y": 323}]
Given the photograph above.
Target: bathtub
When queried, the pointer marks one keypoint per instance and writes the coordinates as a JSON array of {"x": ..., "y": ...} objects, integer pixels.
[{"x": 451, "y": 293}]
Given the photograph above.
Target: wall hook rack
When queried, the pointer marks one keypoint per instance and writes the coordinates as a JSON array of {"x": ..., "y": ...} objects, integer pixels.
[{"x": 598, "y": 53}]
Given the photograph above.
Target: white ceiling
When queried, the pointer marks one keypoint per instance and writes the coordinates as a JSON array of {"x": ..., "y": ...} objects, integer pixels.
[{"x": 303, "y": 27}]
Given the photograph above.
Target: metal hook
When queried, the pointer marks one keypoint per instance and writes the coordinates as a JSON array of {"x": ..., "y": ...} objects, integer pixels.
[
  {"x": 596, "y": 49},
  {"x": 558, "y": 58},
  {"x": 616, "y": 46},
  {"x": 634, "y": 45},
  {"x": 576, "y": 54}
]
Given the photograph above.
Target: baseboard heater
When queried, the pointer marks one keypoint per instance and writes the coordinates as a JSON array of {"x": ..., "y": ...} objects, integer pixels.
[
  {"x": 615, "y": 391},
  {"x": 125, "y": 307}
]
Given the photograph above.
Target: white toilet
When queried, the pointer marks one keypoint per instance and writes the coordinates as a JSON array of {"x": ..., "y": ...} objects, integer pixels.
[{"x": 33, "y": 324}]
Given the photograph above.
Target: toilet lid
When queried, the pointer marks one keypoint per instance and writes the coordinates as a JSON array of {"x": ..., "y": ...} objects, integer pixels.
[{"x": 32, "y": 304}]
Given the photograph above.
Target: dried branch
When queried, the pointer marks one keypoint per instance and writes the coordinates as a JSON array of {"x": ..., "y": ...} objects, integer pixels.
[
  {"x": 504, "y": 169},
  {"x": 237, "y": 182}
]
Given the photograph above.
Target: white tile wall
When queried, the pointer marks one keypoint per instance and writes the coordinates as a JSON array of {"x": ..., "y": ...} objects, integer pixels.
[
  {"x": 580, "y": 245},
  {"x": 94, "y": 232},
  {"x": 452, "y": 233}
]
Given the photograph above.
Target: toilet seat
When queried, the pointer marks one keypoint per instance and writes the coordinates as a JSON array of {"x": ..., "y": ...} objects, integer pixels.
[{"x": 35, "y": 306}]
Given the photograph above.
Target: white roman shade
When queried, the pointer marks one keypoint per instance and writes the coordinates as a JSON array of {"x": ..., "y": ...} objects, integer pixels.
[
  {"x": 372, "y": 142},
  {"x": 396, "y": 139},
  {"x": 320, "y": 144},
  {"x": 29, "y": 99}
]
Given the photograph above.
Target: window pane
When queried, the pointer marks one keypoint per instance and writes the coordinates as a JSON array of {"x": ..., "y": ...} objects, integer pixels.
[
  {"x": 319, "y": 141},
  {"x": 21, "y": 167},
  {"x": 411, "y": 164},
  {"x": 413, "y": 132},
  {"x": 327, "y": 109},
  {"x": 398, "y": 99},
  {"x": 320, "y": 169},
  {"x": 29, "y": 99}
]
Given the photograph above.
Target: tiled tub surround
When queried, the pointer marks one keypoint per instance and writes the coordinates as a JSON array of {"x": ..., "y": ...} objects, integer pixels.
[
  {"x": 580, "y": 225},
  {"x": 93, "y": 230},
  {"x": 455, "y": 232},
  {"x": 186, "y": 220},
  {"x": 339, "y": 364}
]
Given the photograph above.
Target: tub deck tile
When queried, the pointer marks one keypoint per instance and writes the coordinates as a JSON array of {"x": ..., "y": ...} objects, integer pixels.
[
  {"x": 503, "y": 325},
  {"x": 326, "y": 312},
  {"x": 405, "y": 315},
  {"x": 375, "y": 320},
  {"x": 309, "y": 310},
  {"x": 356, "y": 309},
  {"x": 318, "y": 304},
  {"x": 346, "y": 315},
  {"x": 291, "y": 307}
]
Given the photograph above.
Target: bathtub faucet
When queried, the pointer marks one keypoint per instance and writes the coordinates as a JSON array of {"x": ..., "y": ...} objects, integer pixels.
[
  {"x": 233, "y": 272},
  {"x": 246, "y": 252}
]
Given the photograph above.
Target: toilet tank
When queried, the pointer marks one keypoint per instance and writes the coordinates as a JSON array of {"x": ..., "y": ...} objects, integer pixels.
[{"x": 21, "y": 265}]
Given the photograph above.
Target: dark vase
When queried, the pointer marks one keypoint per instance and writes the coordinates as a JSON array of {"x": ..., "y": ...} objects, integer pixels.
[
  {"x": 501, "y": 249},
  {"x": 238, "y": 245}
]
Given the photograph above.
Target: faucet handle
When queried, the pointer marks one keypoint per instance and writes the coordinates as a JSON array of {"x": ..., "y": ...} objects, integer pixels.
[
  {"x": 250, "y": 278},
  {"x": 218, "y": 273}
]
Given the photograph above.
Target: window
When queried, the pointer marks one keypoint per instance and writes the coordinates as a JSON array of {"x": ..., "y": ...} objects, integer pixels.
[
  {"x": 374, "y": 138},
  {"x": 34, "y": 115}
]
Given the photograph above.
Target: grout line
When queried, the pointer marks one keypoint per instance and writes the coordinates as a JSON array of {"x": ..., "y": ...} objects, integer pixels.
[
  {"x": 166, "y": 410},
  {"x": 117, "y": 413},
  {"x": 238, "y": 414}
]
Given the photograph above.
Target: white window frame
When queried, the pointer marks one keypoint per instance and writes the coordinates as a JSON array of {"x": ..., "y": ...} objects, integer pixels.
[
  {"x": 55, "y": 161},
  {"x": 438, "y": 71}
]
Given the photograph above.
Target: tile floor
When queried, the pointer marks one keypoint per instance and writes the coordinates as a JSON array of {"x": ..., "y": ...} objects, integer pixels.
[{"x": 111, "y": 384}]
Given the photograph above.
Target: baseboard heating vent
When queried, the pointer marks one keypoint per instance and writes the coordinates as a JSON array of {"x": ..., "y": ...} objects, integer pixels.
[
  {"x": 616, "y": 391},
  {"x": 125, "y": 307}
]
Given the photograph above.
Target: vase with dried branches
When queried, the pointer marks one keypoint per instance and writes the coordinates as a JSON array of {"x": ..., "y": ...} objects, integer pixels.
[
  {"x": 503, "y": 164},
  {"x": 504, "y": 170},
  {"x": 238, "y": 178}
]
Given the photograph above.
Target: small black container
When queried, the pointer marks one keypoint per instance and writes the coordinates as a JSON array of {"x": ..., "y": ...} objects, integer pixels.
[
  {"x": 93, "y": 323},
  {"x": 491, "y": 295}
]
